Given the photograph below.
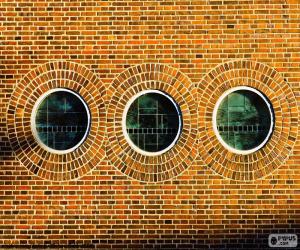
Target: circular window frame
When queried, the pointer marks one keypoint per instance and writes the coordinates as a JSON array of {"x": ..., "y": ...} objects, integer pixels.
[
  {"x": 124, "y": 128},
  {"x": 274, "y": 154},
  {"x": 40, "y": 162},
  {"x": 33, "y": 121},
  {"x": 171, "y": 164},
  {"x": 214, "y": 118}
]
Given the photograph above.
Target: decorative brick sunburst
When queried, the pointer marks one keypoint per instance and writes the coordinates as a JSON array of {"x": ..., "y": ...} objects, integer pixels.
[
  {"x": 132, "y": 163},
  {"x": 268, "y": 81},
  {"x": 47, "y": 165}
]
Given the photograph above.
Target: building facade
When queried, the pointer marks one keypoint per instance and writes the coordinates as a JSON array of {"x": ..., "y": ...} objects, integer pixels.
[{"x": 149, "y": 124}]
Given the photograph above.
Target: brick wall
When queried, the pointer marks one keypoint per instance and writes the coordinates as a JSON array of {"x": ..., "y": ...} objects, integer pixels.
[{"x": 105, "y": 195}]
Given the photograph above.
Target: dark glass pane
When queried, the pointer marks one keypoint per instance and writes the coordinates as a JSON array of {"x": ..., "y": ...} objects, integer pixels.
[
  {"x": 61, "y": 120},
  {"x": 243, "y": 119},
  {"x": 152, "y": 122}
]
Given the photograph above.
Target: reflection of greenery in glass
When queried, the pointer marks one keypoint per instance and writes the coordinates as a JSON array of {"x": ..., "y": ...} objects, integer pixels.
[
  {"x": 152, "y": 122},
  {"x": 243, "y": 120},
  {"x": 61, "y": 120}
]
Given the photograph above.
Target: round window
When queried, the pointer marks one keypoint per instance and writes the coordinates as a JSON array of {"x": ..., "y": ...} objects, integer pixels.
[
  {"x": 60, "y": 120},
  {"x": 152, "y": 122},
  {"x": 243, "y": 120}
]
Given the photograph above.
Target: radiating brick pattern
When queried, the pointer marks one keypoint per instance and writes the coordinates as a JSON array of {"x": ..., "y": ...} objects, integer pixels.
[
  {"x": 177, "y": 159},
  {"x": 269, "y": 82},
  {"x": 38, "y": 160},
  {"x": 100, "y": 204}
]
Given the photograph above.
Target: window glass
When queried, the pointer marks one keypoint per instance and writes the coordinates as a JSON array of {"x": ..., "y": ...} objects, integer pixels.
[
  {"x": 244, "y": 119},
  {"x": 61, "y": 120},
  {"x": 153, "y": 121}
]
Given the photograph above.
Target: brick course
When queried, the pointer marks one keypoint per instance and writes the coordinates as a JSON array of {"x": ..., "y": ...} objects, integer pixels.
[{"x": 191, "y": 49}]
